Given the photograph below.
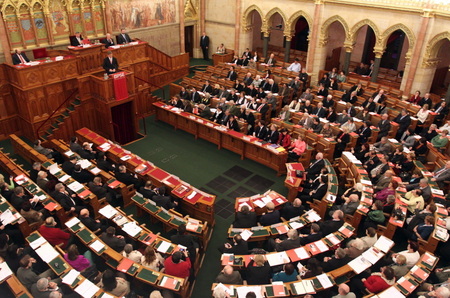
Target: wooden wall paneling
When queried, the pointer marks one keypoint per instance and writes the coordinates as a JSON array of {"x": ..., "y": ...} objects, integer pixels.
[
  {"x": 9, "y": 125},
  {"x": 85, "y": 88}
]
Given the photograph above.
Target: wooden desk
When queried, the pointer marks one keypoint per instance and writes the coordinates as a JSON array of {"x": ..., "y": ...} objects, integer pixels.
[
  {"x": 129, "y": 53},
  {"x": 89, "y": 58},
  {"x": 245, "y": 146},
  {"x": 222, "y": 58}
]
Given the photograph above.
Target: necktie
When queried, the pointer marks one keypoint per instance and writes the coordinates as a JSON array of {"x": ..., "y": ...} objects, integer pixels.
[
  {"x": 260, "y": 107},
  {"x": 269, "y": 62},
  {"x": 230, "y": 74},
  {"x": 110, "y": 60},
  {"x": 22, "y": 60},
  {"x": 439, "y": 109},
  {"x": 125, "y": 38}
]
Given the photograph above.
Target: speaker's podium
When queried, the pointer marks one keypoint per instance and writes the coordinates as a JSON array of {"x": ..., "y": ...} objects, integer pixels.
[{"x": 114, "y": 101}]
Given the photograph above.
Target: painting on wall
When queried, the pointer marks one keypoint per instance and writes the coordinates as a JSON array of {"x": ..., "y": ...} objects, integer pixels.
[{"x": 134, "y": 14}]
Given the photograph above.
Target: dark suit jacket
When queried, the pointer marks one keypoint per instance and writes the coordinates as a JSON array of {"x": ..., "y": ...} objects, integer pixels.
[
  {"x": 270, "y": 218},
  {"x": 121, "y": 39},
  {"x": 238, "y": 249},
  {"x": 314, "y": 169},
  {"x": 17, "y": 201},
  {"x": 232, "y": 75},
  {"x": 330, "y": 226},
  {"x": 108, "y": 43},
  {"x": 82, "y": 176},
  {"x": 273, "y": 61},
  {"x": 384, "y": 127},
  {"x": 90, "y": 223},
  {"x": 204, "y": 42},
  {"x": 67, "y": 167},
  {"x": 382, "y": 98},
  {"x": 311, "y": 238},
  {"x": 186, "y": 240},
  {"x": 105, "y": 165},
  {"x": 16, "y": 59},
  {"x": 66, "y": 202},
  {"x": 261, "y": 132},
  {"x": 320, "y": 192},
  {"x": 334, "y": 263},
  {"x": 75, "y": 147},
  {"x": 147, "y": 193},
  {"x": 101, "y": 191},
  {"x": 113, "y": 242},
  {"x": 289, "y": 211},
  {"x": 74, "y": 41},
  {"x": 320, "y": 113},
  {"x": 359, "y": 92},
  {"x": 86, "y": 154},
  {"x": 107, "y": 65},
  {"x": 369, "y": 105},
  {"x": 244, "y": 220},
  {"x": 331, "y": 117},
  {"x": 208, "y": 88},
  {"x": 163, "y": 201},
  {"x": 364, "y": 134},
  {"x": 128, "y": 179},
  {"x": 263, "y": 110},
  {"x": 272, "y": 136},
  {"x": 287, "y": 244},
  {"x": 403, "y": 122}
]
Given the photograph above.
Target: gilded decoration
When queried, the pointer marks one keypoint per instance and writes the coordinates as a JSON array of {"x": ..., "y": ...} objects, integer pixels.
[
  {"x": 433, "y": 48},
  {"x": 392, "y": 29},
  {"x": 247, "y": 23},
  {"x": 191, "y": 9},
  {"x": 298, "y": 14}
]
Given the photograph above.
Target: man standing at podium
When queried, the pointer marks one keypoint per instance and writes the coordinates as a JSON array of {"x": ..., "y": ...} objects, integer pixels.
[
  {"x": 123, "y": 37},
  {"x": 110, "y": 64},
  {"x": 19, "y": 57}
]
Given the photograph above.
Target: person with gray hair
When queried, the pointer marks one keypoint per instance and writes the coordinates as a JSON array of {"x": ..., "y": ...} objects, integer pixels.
[
  {"x": 130, "y": 253},
  {"x": 229, "y": 276},
  {"x": 424, "y": 186},
  {"x": 355, "y": 248},
  {"x": 339, "y": 259},
  {"x": 43, "y": 288},
  {"x": 344, "y": 292},
  {"x": 292, "y": 241}
]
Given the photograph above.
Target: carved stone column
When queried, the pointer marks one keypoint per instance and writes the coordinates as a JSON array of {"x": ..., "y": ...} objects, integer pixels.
[
  {"x": 265, "y": 43},
  {"x": 48, "y": 25},
  {"x": 237, "y": 27},
  {"x": 181, "y": 9},
  {"x": 427, "y": 14},
  {"x": 314, "y": 35},
  {"x": 348, "y": 56},
  {"x": 376, "y": 64},
  {"x": 287, "y": 48}
]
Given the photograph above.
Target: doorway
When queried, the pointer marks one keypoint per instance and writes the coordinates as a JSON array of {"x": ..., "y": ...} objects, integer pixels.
[
  {"x": 123, "y": 123},
  {"x": 189, "y": 40}
]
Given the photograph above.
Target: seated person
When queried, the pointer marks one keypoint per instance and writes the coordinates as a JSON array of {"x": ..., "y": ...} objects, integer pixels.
[
  {"x": 238, "y": 246},
  {"x": 123, "y": 37},
  {"x": 178, "y": 264},
  {"x": 258, "y": 271},
  {"x": 76, "y": 40},
  {"x": 114, "y": 284},
  {"x": 52, "y": 234},
  {"x": 91, "y": 223},
  {"x": 244, "y": 218},
  {"x": 292, "y": 241},
  {"x": 411, "y": 254},
  {"x": 87, "y": 152},
  {"x": 423, "y": 231},
  {"x": 229, "y": 276},
  {"x": 102, "y": 190},
  {"x": 108, "y": 41},
  {"x": 379, "y": 282},
  {"x": 271, "y": 217},
  {"x": 115, "y": 242},
  {"x": 163, "y": 200},
  {"x": 332, "y": 225},
  {"x": 104, "y": 164},
  {"x": 127, "y": 178},
  {"x": 291, "y": 210},
  {"x": 26, "y": 274},
  {"x": 81, "y": 175},
  {"x": 339, "y": 259},
  {"x": 314, "y": 235},
  {"x": 19, "y": 57},
  {"x": 288, "y": 274},
  {"x": 49, "y": 153},
  {"x": 187, "y": 240}
]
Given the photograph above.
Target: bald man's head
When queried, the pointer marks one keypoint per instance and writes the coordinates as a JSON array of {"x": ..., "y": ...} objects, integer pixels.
[
  {"x": 343, "y": 289},
  {"x": 228, "y": 270}
]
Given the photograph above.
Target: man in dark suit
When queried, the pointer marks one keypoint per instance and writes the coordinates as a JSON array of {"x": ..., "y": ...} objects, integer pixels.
[
  {"x": 291, "y": 210},
  {"x": 442, "y": 175},
  {"x": 74, "y": 145},
  {"x": 18, "y": 198},
  {"x": 91, "y": 223},
  {"x": 19, "y": 57},
  {"x": 244, "y": 218},
  {"x": 127, "y": 178},
  {"x": 340, "y": 259},
  {"x": 319, "y": 111},
  {"x": 379, "y": 97},
  {"x": 315, "y": 167},
  {"x": 403, "y": 120},
  {"x": 87, "y": 152},
  {"x": 110, "y": 64},
  {"x": 292, "y": 241},
  {"x": 101, "y": 190},
  {"x": 103, "y": 163},
  {"x": 238, "y": 247},
  {"x": 384, "y": 126},
  {"x": 271, "y": 217},
  {"x": 332, "y": 225},
  {"x": 318, "y": 193},
  {"x": 195, "y": 96},
  {"x": 231, "y": 75},
  {"x": 314, "y": 235},
  {"x": 271, "y": 86},
  {"x": 260, "y": 130},
  {"x": 426, "y": 100},
  {"x": 108, "y": 41},
  {"x": 369, "y": 105},
  {"x": 358, "y": 88},
  {"x": 263, "y": 108},
  {"x": 147, "y": 191},
  {"x": 115, "y": 242},
  {"x": 68, "y": 201},
  {"x": 69, "y": 165},
  {"x": 76, "y": 40},
  {"x": 441, "y": 109},
  {"x": 123, "y": 37},
  {"x": 81, "y": 175},
  {"x": 364, "y": 133},
  {"x": 187, "y": 240},
  {"x": 204, "y": 44},
  {"x": 162, "y": 199},
  {"x": 271, "y": 60},
  {"x": 207, "y": 87},
  {"x": 350, "y": 97},
  {"x": 328, "y": 102}
]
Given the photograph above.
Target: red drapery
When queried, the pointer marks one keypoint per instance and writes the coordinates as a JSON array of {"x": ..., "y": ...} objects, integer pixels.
[{"x": 120, "y": 85}]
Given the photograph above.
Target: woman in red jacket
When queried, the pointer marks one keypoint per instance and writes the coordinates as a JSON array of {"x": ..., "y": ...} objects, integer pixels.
[{"x": 379, "y": 282}]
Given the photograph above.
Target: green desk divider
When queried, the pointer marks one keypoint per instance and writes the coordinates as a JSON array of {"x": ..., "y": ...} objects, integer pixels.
[
  {"x": 316, "y": 283},
  {"x": 33, "y": 237},
  {"x": 4, "y": 207},
  {"x": 152, "y": 208},
  {"x": 164, "y": 215},
  {"x": 46, "y": 164},
  {"x": 269, "y": 291},
  {"x": 341, "y": 279},
  {"x": 132, "y": 270},
  {"x": 31, "y": 188},
  {"x": 85, "y": 235},
  {"x": 138, "y": 199},
  {"x": 75, "y": 228},
  {"x": 113, "y": 263},
  {"x": 25, "y": 295},
  {"x": 58, "y": 265},
  {"x": 148, "y": 275},
  {"x": 177, "y": 222},
  {"x": 262, "y": 232},
  {"x": 334, "y": 189}
]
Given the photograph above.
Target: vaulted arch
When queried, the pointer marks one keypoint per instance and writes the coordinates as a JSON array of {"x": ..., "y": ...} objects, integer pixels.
[
  {"x": 247, "y": 15},
  {"x": 392, "y": 29},
  {"x": 273, "y": 11},
  {"x": 298, "y": 14},
  {"x": 432, "y": 49},
  {"x": 331, "y": 20},
  {"x": 354, "y": 31}
]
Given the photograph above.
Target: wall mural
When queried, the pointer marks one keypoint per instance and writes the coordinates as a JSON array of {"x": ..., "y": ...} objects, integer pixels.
[{"x": 133, "y": 14}]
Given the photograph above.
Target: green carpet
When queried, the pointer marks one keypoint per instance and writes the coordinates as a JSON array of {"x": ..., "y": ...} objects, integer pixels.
[{"x": 198, "y": 162}]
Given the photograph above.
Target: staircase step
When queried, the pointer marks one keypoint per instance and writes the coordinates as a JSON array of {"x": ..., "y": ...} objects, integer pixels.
[
  {"x": 66, "y": 113},
  {"x": 71, "y": 108},
  {"x": 60, "y": 119},
  {"x": 76, "y": 102},
  {"x": 55, "y": 124}
]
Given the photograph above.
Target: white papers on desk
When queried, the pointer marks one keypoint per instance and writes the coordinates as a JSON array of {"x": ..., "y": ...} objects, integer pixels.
[
  {"x": 246, "y": 234},
  {"x": 192, "y": 195},
  {"x": 242, "y": 291},
  {"x": 21, "y": 179},
  {"x": 312, "y": 216},
  {"x": 321, "y": 246},
  {"x": 125, "y": 157},
  {"x": 87, "y": 289},
  {"x": 108, "y": 211},
  {"x": 8, "y": 217},
  {"x": 384, "y": 244},
  {"x": 64, "y": 178},
  {"x": 53, "y": 169},
  {"x": 163, "y": 247},
  {"x": 325, "y": 281},
  {"x": 295, "y": 225},
  {"x": 301, "y": 253},
  {"x": 97, "y": 245},
  {"x": 266, "y": 199},
  {"x": 277, "y": 258},
  {"x": 333, "y": 239},
  {"x": 70, "y": 277},
  {"x": 95, "y": 171},
  {"x": 437, "y": 191},
  {"x": 59, "y": 58},
  {"x": 84, "y": 163},
  {"x": 5, "y": 271},
  {"x": 75, "y": 186},
  {"x": 304, "y": 287},
  {"x": 366, "y": 182},
  {"x": 393, "y": 140},
  {"x": 259, "y": 203},
  {"x": 105, "y": 146},
  {"x": 359, "y": 264},
  {"x": 47, "y": 252},
  {"x": 391, "y": 292},
  {"x": 68, "y": 153},
  {"x": 38, "y": 242},
  {"x": 132, "y": 229},
  {"x": 230, "y": 290},
  {"x": 70, "y": 223},
  {"x": 372, "y": 255}
]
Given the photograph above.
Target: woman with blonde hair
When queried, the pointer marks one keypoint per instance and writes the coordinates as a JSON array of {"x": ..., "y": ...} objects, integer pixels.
[
  {"x": 11, "y": 182},
  {"x": 152, "y": 259},
  {"x": 258, "y": 271}
]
